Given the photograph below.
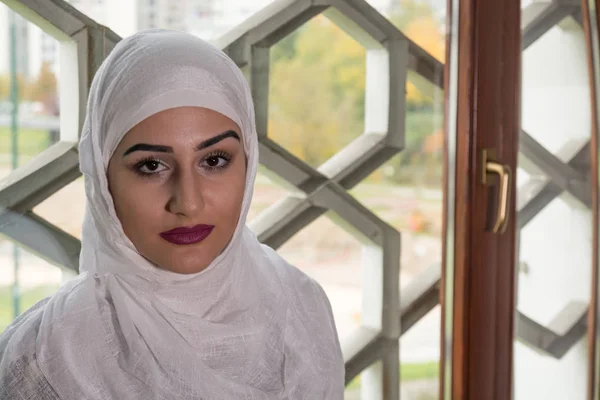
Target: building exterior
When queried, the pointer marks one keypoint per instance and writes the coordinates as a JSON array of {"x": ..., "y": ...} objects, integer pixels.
[
  {"x": 23, "y": 51},
  {"x": 162, "y": 14},
  {"x": 205, "y": 18}
]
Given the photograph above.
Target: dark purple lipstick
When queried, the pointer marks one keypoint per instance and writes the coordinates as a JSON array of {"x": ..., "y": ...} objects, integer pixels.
[{"x": 188, "y": 235}]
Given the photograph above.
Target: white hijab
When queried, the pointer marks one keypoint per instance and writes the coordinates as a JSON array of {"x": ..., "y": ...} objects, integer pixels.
[{"x": 249, "y": 326}]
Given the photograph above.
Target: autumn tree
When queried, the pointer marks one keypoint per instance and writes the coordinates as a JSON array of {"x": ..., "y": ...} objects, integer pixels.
[
  {"x": 43, "y": 89},
  {"x": 317, "y": 87},
  {"x": 417, "y": 20},
  {"x": 317, "y": 91},
  {"x": 5, "y": 87}
]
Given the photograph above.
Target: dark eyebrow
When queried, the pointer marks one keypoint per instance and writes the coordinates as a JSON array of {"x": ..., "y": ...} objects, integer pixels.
[
  {"x": 214, "y": 140},
  {"x": 167, "y": 149},
  {"x": 148, "y": 147}
]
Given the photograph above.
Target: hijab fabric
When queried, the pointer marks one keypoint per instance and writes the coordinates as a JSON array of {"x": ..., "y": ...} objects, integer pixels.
[{"x": 249, "y": 326}]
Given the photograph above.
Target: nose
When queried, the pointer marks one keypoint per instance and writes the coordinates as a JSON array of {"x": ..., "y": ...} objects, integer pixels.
[{"x": 186, "y": 197}]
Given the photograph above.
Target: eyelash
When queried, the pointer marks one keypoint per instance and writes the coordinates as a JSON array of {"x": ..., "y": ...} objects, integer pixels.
[
  {"x": 137, "y": 168},
  {"x": 218, "y": 154}
]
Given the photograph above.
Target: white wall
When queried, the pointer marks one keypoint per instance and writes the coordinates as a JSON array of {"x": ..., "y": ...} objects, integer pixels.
[
  {"x": 123, "y": 21},
  {"x": 34, "y": 48},
  {"x": 4, "y": 39},
  {"x": 556, "y": 244}
]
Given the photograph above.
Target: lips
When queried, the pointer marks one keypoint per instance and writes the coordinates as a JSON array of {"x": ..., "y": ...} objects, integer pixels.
[{"x": 188, "y": 235}]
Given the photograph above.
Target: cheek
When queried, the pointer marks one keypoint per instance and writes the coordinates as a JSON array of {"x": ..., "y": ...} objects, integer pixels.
[
  {"x": 136, "y": 204},
  {"x": 224, "y": 196},
  {"x": 141, "y": 205}
]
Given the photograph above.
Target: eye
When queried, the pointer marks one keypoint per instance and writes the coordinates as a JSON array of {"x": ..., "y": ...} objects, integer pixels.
[
  {"x": 150, "y": 166},
  {"x": 216, "y": 161}
]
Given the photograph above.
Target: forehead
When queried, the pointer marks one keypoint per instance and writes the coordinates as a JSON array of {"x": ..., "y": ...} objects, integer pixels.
[{"x": 181, "y": 124}]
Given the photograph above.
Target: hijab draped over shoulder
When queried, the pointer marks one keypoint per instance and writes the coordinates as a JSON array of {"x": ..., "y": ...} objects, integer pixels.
[{"x": 249, "y": 326}]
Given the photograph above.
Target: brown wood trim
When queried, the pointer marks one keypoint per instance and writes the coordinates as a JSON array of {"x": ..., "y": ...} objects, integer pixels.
[
  {"x": 488, "y": 102},
  {"x": 465, "y": 186},
  {"x": 593, "y": 309}
]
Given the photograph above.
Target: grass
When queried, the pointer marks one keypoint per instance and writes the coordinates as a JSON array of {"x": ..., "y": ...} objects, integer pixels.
[
  {"x": 422, "y": 123},
  {"x": 28, "y": 298},
  {"x": 413, "y": 372},
  {"x": 30, "y": 141},
  {"x": 409, "y": 372}
]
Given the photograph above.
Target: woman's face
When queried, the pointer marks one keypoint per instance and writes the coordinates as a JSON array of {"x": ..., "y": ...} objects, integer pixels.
[{"x": 177, "y": 180}]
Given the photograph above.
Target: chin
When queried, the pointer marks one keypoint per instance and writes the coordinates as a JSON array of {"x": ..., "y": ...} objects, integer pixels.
[
  {"x": 188, "y": 265},
  {"x": 184, "y": 259}
]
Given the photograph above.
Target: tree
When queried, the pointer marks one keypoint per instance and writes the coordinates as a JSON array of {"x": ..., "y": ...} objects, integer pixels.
[
  {"x": 317, "y": 91},
  {"x": 43, "y": 89},
  {"x": 318, "y": 85},
  {"x": 417, "y": 21},
  {"x": 5, "y": 87}
]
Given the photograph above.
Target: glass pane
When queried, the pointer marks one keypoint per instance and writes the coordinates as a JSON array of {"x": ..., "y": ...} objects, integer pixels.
[
  {"x": 406, "y": 191},
  {"x": 29, "y": 112},
  {"x": 208, "y": 19},
  {"x": 55, "y": 210},
  {"x": 268, "y": 190},
  {"x": 420, "y": 358},
  {"x": 419, "y": 379},
  {"x": 35, "y": 280},
  {"x": 555, "y": 231},
  {"x": 333, "y": 258},
  {"x": 326, "y": 111}
]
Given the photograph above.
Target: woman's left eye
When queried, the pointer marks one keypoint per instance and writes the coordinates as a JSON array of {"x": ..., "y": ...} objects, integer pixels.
[{"x": 215, "y": 162}]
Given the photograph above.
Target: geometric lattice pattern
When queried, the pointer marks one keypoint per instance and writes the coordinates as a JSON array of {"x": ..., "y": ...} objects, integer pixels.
[
  {"x": 83, "y": 46},
  {"x": 324, "y": 189}
]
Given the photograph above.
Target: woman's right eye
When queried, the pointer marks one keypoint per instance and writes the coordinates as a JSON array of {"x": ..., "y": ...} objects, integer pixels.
[{"x": 149, "y": 167}]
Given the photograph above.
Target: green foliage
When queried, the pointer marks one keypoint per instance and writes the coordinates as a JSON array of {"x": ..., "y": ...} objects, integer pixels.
[
  {"x": 420, "y": 124},
  {"x": 286, "y": 48},
  {"x": 405, "y": 12},
  {"x": 30, "y": 143},
  {"x": 5, "y": 87},
  {"x": 43, "y": 88},
  {"x": 416, "y": 19},
  {"x": 28, "y": 298},
  {"x": 413, "y": 372},
  {"x": 417, "y": 164},
  {"x": 317, "y": 90}
]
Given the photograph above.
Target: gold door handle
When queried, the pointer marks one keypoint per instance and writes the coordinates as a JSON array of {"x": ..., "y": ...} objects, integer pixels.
[{"x": 491, "y": 166}]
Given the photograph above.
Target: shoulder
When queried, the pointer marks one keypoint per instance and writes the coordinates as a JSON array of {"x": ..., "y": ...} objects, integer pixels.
[
  {"x": 309, "y": 317},
  {"x": 314, "y": 364},
  {"x": 299, "y": 287},
  {"x": 20, "y": 336},
  {"x": 20, "y": 375}
]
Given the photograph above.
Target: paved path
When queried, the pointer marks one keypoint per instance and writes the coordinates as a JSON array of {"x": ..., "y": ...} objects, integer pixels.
[{"x": 413, "y": 390}]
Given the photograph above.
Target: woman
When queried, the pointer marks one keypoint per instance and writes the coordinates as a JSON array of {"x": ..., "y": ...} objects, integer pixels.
[{"x": 176, "y": 299}]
